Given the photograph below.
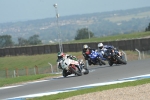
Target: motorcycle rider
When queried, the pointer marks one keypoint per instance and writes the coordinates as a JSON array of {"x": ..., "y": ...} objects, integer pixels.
[
  {"x": 85, "y": 52},
  {"x": 62, "y": 55},
  {"x": 103, "y": 49}
]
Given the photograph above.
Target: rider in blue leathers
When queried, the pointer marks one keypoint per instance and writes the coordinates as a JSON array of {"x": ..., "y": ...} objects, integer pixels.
[{"x": 103, "y": 49}]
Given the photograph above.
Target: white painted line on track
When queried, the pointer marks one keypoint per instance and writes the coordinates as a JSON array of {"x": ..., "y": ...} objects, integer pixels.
[
  {"x": 7, "y": 87},
  {"x": 81, "y": 87},
  {"x": 22, "y": 84}
]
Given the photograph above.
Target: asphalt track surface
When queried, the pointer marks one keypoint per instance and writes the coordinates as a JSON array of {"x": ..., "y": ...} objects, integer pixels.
[{"x": 98, "y": 74}]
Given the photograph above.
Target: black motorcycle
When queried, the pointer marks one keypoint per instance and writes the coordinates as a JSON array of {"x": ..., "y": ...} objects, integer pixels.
[{"x": 113, "y": 57}]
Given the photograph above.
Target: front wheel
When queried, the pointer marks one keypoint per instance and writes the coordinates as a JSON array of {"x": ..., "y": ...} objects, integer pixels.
[
  {"x": 121, "y": 60},
  {"x": 86, "y": 71},
  {"x": 76, "y": 71},
  {"x": 64, "y": 73},
  {"x": 101, "y": 62}
]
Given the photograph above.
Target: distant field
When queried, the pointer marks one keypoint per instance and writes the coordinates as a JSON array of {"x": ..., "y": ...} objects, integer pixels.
[
  {"x": 117, "y": 18},
  {"x": 115, "y": 37}
]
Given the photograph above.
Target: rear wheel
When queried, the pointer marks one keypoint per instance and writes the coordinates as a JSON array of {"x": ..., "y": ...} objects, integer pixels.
[{"x": 110, "y": 62}]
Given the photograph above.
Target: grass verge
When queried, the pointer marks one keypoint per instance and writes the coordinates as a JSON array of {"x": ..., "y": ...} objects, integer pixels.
[
  {"x": 42, "y": 60},
  {"x": 20, "y": 62},
  {"x": 21, "y": 79}
]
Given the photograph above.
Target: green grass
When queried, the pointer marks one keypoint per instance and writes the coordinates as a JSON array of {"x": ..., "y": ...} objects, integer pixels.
[
  {"x": 20, "y": 62},
  {"x": 10, "y": 81},
  {"x": 26, "y": 61},
  {"x": 90, "y": 90},
  {"x": 30, "y": 61},
  {"x": 114, "y": 37}
]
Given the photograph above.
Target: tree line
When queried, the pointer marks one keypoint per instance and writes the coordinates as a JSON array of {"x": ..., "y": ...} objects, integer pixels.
[
  {"x": 148, "y": 28},
  {"x": 6, "y": 41}
]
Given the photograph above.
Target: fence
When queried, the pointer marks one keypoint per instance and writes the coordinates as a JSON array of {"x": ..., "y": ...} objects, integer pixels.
[
  {"x": 140, "y": 44},
  {"x": 7, "y": 73}
]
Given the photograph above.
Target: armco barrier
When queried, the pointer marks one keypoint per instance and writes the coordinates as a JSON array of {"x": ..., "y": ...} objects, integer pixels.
[{"x": 140, "y": 44}]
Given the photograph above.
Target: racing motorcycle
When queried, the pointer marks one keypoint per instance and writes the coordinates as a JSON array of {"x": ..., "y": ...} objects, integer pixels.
[
  {"x": 96, "y": 58},
  {"x": 113, "y": 57},
  {"x": 70, "y": 66}
]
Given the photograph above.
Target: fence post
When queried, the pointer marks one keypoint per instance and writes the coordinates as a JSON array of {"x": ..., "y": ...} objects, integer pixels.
[
  {"x": 87, "y": 64},
  {"x": 143, "y": 55},
  {"x": 51, "y": 67},
  {"x": 139, "y": 54},
  {"x": 6, "y": 70},
  {"x": 37, "y": 72},
  {"x": 16, "y": 72},
  {"x": 26, "y": 70},
  {"x": 125, "y": 55},
  {"x": 34, "y": 71}
]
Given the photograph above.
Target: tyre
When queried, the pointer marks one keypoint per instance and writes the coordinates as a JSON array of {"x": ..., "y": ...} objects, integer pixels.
[
  {"x": 121, "y": 60},
  {"x": 101, "y": 62},
  {"x": 77, "y": 72},
  {"x": 86, "y": 71},
  {"x": 89, "y": 62},
  {"x": 64, "y": 73},
  {"x": 110, "y": 62}
]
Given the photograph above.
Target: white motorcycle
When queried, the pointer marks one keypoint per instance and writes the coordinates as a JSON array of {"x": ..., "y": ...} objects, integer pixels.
[{"x": 70, "y": 66}]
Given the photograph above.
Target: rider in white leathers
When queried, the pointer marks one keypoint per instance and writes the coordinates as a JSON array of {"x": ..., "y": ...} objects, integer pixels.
[{"x": 61, "y": 55}]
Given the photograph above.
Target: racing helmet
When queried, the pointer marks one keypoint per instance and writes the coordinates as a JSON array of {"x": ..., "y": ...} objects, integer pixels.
[
  {"x": 60, "y": 55},
  {"x": 85, "y": 46},
  {"x": 100, "y": 45}
]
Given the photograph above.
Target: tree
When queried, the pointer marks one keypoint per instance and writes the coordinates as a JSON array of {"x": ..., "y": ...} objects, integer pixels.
[
  {"x": 6, "y": 41},
  {"x": 34, "y": 40},
  {"x": 83, "y": 33},
  {"x": 22, "y": 41},
  {"x": 148, "y": 28}
]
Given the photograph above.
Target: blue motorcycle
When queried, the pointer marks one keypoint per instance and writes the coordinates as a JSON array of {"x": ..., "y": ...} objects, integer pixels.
[{"x": 96, "y": 58}]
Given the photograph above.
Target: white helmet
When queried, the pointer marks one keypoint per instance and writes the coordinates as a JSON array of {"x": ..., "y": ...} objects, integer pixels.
[
  {"x": 85, "y": 46},
  {"x": 100, "y": 45}
]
